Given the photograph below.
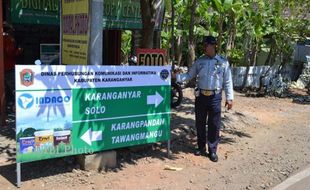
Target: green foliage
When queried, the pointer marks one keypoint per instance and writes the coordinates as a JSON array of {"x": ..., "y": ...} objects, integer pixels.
[
  {"x": 262, "y": 22},
  {"x": 165, "y": 37},
  {"x": 58, "y": 129},
  {"x": 29, "y": 132},
  {"x": 236, "y": 57},
  {"x": 126, "y": 42}
]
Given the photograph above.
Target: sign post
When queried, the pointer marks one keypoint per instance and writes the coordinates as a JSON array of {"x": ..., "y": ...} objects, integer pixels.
[{"x": 70, "y": 110}]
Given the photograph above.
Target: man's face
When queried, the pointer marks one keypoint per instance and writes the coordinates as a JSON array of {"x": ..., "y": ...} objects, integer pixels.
[{"x": 210, "y": 50}]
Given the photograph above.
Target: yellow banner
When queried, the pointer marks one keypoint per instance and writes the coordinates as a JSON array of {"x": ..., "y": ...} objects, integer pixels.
[{"x": 75, "y": 31}]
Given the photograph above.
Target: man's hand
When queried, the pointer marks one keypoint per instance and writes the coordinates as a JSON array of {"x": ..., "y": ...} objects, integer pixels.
[
  {"x": 229, "y": 104},
  {"x": 174, "y": 73}
]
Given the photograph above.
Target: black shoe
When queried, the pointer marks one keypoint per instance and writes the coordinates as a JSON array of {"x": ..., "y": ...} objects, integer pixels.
[
  {"x": 213, "y": 157},
  {"x": 200, "y": 152}
]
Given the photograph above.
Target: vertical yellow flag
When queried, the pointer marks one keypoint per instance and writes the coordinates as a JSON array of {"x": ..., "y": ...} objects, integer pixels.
[{"x": 75, "y": 31}]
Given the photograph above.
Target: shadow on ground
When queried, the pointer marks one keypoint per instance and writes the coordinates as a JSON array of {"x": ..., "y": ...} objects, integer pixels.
[{"x": 38, "y": 169}]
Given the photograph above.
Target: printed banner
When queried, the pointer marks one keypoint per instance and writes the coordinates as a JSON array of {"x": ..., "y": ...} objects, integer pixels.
[
  {"x": 75, "y": 32},
  {"x": 117, "y": 14},
  {"x": 69, "y": 110},
  {"x": 126, "y": 14},
  {"x": 35, "y": 11}
]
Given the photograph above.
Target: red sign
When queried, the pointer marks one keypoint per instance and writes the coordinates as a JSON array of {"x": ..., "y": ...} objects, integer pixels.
[
  {"x": 151, "y": 57},
  {"x": 26, "y": 77}
]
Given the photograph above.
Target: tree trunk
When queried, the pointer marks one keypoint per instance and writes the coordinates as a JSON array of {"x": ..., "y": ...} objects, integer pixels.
[
  {"x": 148, "y": 11},
  {"x": 261, "y": 80},
  {"x": 268, "y": 61},
  {"x": 191, "y": 38},
  {"x": 220, "y": 36},
  {"x": 271, "y": 51},
  {"x": 273, "y": 57},
  {"x": 232, "y": 36},
  {"x": 178, "y": 51},
  {"x": 246, "y": 76},
  {"x": 254, "y": 54},
  {"x": 179, "y": 44},
  {"x": 247, "y": 45},
  {"x": 136, "y": 41},
  {"x": 172, "y": 55},
  {"x": 157, "y": 39}
]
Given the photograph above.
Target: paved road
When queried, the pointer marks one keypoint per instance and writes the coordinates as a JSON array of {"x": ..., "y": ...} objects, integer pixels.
[{"x": 300, "y": 181}]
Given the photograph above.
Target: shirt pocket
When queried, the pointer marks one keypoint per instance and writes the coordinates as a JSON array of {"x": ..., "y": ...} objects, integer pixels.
[
  {"x": 218, "y": 72},
  {"x": 203, "y": 72}
]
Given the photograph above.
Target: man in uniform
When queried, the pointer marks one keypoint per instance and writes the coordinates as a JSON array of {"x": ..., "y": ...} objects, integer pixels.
[
  {"x": 11, "y": 52},
  {"x": 213, "y": 74}
]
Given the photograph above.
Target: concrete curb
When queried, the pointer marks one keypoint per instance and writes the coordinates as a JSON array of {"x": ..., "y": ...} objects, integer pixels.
[{"x": 294, "y": 179}]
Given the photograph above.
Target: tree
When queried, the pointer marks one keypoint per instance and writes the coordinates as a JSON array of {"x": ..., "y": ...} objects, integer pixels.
[
  {"x": 226, "y": 10},
  {"x": 181, "y": 20},
  {"x": 191, "y": 38},
  {"x": 235, "y": 11},
  {"x": 253, "y": 34},
  {"x": 148, "y": 12},
  {"x": 244, "y": 28}
]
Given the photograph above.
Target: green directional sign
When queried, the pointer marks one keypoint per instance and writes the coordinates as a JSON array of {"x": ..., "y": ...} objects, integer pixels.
[
  {"x": 68, "y": 110},
  {"x": 118, "y": 102},
  {"x": 118, "y": 117}
]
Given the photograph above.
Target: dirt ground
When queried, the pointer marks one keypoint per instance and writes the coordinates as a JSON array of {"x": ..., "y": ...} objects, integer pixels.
[{"x": 264, "y": 141}]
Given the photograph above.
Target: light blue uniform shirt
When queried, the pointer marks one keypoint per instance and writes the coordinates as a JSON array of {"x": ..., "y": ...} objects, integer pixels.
[{"x": 212, "y": 74}]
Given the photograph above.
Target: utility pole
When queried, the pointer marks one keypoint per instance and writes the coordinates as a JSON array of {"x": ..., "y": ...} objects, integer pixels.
[{"x": 95, "y": 48}]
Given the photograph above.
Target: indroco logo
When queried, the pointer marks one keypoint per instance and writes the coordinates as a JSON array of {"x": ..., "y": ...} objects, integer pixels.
[
  {"x": 52, "y": 100},
  {"x": 26, "y": 77},
  {"x": 25, "y": 101}
]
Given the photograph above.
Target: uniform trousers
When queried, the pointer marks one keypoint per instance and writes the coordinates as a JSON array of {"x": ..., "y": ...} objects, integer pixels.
[{"x": 208, "y": 107}]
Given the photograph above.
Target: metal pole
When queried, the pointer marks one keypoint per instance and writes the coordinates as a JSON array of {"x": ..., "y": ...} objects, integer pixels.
[
  {"x": 60, "y": 32},
  {"x": 18, "y": 171},
  {"x": 95, "y": 48},
  {"x": 168, "y": 148}
]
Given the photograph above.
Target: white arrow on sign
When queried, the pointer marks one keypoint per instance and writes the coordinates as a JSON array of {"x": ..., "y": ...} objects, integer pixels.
[
  {"x": 91, "y": 136},
  {"x": 154, "y": 99}
]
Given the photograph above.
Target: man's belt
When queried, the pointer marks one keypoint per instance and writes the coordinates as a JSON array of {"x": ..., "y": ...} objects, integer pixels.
[{"x": 209, "y": 92}]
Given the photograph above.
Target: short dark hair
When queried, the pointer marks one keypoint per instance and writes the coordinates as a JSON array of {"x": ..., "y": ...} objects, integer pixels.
[
  {"x": 7, "y": 27},
  {"x": 209, "y": 40}
]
